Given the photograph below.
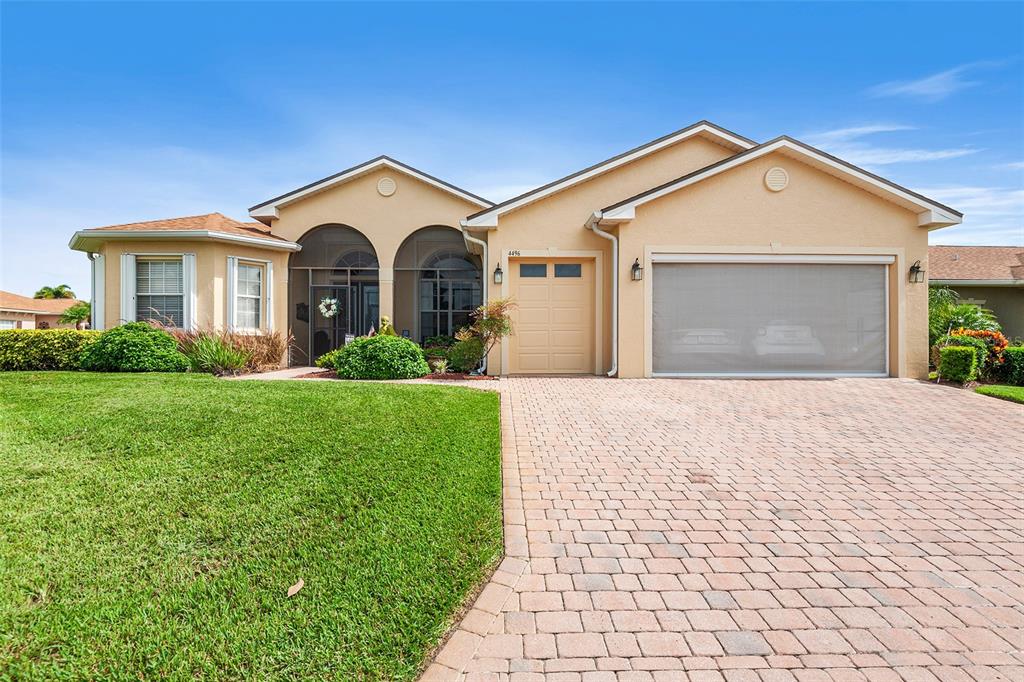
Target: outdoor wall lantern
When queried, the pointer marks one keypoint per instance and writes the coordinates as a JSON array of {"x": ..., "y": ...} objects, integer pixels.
[
  {"x": 637, "y": 271},
  {"x": 916, "y": 273},
  {"x": 498, "y": 274}
]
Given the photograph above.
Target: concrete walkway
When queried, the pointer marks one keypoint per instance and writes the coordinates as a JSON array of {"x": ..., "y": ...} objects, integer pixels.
[{"x": 752, "y": 530}]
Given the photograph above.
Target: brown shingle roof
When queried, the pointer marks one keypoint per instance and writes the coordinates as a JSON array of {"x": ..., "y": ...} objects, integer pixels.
[
  {"x": 44, "y": 306},
  {"x": 976, "y": 262},
  {"x": 209, "y": 222}
]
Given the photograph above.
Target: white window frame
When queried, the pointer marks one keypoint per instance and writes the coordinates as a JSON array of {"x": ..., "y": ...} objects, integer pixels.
[
  {"x": 266, "y": 295},
  {"x": 129, "y": 295},
  {"x": 9, "y": 324}
]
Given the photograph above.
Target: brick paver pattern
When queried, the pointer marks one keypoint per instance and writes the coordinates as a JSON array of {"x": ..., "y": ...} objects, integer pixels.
[{"x": 760, "y": 530}]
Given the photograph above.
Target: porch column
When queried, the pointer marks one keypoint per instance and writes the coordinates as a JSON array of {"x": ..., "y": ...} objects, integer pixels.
[{"x": 386, "y": 280}]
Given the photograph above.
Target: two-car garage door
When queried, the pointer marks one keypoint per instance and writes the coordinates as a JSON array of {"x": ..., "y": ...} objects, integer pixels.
[{"x": 770, "y": 316}]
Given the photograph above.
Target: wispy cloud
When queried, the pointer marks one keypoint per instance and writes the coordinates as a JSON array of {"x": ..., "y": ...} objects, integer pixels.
[
  {"x": 1013, "y": 165},
  {"x": 847, "y": 144},
  {"x": 991, "y": 214},
  {"x": 931, "y": 88}
]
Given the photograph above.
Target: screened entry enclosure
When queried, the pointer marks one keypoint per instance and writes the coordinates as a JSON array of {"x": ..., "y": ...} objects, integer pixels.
[
  {"x": 770, "y": 318},
  {"x": 437, "y": 284},
  {"x": 336, "y": 262}
]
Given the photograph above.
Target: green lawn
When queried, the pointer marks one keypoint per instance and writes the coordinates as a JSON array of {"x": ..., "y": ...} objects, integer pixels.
[
  {"x": 1014, "y": 393},
  {"x": 150, "y": 525}
]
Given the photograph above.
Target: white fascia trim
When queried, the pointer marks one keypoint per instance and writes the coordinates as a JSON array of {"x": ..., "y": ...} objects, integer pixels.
[
  {"x": 490, "y": 219},
  {"x": 770, "y": 258},
  {"x": 27, "y": 312},
  {"x": 104, "y": 235},
  {"x": 931, "y": 215},
  {"x": 270, "y": 209},
  {"x": 978, "y": 282}
]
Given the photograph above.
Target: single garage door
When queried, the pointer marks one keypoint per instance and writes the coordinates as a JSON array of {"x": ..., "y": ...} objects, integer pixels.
[
  {"x": 784, "y": 316},
  {"x": 553, "y": 321}
]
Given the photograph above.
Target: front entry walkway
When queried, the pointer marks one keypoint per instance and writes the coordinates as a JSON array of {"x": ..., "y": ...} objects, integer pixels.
[{"x": 753, "y": 530}]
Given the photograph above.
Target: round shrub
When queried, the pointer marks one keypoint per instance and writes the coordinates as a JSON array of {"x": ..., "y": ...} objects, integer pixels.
[
  {"x": 465, "y": 356},
  {"x": 328, "y": 359},
  {"x": 381, "y": 357},
  {"x": 134, "y": 347}
]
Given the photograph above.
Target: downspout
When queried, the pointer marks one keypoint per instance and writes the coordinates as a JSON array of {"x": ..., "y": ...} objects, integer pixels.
[
  {"x": 592, "y": 225},
  {"x": 470, "y": 239}
]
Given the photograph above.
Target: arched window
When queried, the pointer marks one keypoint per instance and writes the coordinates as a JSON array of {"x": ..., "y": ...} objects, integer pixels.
[
  {"x": 438, "y": 283},
  {"x": 336, "y": 262}
]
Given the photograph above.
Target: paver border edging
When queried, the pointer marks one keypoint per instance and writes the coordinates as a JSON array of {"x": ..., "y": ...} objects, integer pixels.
[{"x": 458, "y": 649}]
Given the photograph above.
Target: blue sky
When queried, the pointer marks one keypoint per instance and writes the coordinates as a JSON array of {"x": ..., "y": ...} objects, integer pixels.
[{"x": 115, "y": 113}]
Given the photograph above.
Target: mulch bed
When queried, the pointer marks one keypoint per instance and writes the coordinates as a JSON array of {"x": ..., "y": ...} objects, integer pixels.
[{"x": 449, "y": 376}]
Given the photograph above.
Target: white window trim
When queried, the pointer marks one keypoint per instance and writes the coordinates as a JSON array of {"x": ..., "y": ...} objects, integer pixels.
[
  {"x": 129, "y": 295},
  {"x": 266, "y": 295},
  {"x": 97, "y": 306}
]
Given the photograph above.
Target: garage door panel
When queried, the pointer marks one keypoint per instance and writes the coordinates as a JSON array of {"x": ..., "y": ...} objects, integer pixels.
[
  {"x": 533, "y": 339},
  {"x": 566, "y": 362},
  {"x": 568, "y": 317},
  {"x": 533, "y": 316},
  {"x": 534, "y": 362},
  {"x": 752, "y": 318},
  {"x": 571, "y": 338},
  {"x": 534, "y": 293}
]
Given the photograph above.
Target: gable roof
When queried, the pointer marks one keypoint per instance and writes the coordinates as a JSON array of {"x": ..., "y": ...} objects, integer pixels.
[
  {"x": 976, "y": 263},
  {"x": 930, "y": 213},
  {"x": 40, "y": 306},
  {"x": 215, "y": 226},
  {"x": 489, "y": 217},
  {"x": 267, "y": 210}
]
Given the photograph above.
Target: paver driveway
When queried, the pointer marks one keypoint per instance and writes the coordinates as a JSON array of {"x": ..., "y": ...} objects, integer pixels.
[{"x": 753, "y": 530}]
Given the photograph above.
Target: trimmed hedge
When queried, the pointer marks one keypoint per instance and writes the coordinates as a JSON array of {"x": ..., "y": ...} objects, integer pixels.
[
  {"x": 1014, "y": 365},
  {"x": 134, "y": 347},
  {"x": 981, "y": 348},
  {"x": 43, "y": 349},
  {"x": 381, "y": 357},
  {"x": 959, "y": 364}
]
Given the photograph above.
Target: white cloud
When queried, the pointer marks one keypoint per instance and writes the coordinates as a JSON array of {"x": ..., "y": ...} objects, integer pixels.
[
  {"x": 846, "y": 144},
  {"x": 1013, "y": 165},
  {"x": 992, "y": 215},
  {"x": 931, "y": 88}
]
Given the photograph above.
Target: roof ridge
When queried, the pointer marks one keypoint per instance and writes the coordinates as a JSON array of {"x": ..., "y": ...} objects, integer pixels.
[{"x": 160, "y": 220}]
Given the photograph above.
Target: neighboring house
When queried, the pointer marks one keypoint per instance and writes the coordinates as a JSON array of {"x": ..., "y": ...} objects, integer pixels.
[
  {"x": 991, "y": 276},
  {"x": 700, "y": 253},
  {"x": 22, "y": 312}
]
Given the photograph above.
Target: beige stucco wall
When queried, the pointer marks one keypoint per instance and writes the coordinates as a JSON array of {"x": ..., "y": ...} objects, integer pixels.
[
  {"x": 211, "y": 277},
  {"x": 1006, "y": 302},
  {"x": 554, "y": 225},
  {"x": 385, "y": 221},
  {"x": 816, "y": 213}
]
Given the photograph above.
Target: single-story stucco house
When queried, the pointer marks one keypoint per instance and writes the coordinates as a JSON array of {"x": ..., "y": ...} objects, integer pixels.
[
  {"x": 990, "y": 276},
  {"x": 701, "y": 253},
  {"x": 22, "y": 312}
]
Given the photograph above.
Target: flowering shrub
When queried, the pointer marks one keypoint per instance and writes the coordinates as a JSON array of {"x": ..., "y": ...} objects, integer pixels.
[{"x": 994, "y": 340}]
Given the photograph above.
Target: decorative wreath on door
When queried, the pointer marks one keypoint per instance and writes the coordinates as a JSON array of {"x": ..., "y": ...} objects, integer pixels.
[{"x": 329, "y": 307}]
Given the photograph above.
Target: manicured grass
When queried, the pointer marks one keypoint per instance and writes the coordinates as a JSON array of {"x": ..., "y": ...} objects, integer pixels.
[
  {"x": 150, "y": 525},
  {"x": 1014, "y": 393}
]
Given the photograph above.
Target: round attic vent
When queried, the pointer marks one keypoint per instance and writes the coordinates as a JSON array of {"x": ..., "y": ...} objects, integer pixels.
[
  {"x": 776, "y": 179},
  {"x": 386, "y": 187}
]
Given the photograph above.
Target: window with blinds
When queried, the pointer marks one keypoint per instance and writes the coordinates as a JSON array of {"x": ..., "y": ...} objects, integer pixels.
[{"x": 160, "y": 290}]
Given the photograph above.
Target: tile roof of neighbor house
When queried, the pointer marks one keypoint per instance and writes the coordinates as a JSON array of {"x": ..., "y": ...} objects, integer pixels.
[
  {"x": 209, "y": 222},
  {"x": 976, "y": 263},
  {"x": 44, "y": 306}
]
